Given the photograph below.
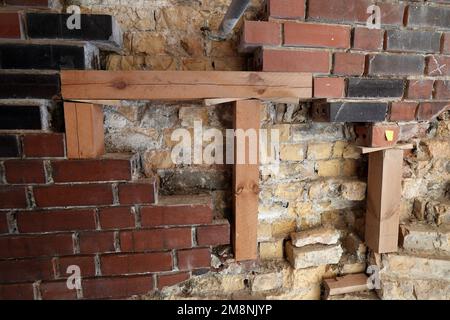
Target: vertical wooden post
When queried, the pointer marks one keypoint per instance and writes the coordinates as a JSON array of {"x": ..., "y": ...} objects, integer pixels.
[
  {"x": 383, "y": 200},
  {"x": 246, "y": 184},
  {"x": 84, "y": 130}
]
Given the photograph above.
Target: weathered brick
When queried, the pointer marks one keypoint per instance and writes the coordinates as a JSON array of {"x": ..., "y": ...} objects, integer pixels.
[
  {"x": 96, "y": 242},
  {"x": 213, "y": 235},
  {"x": 438, "y": 66},
  {"x": 50, "y": 221},
  {"x": 194, "y": 259},
  {"x": 86, "y": 264},
  {"x": 153, "y": 216},
  {"x": 24, "y": 171},
  {"x": 442, "y": 90},
  {"x": 428, "y": 16},
  {"x": 375, "y": 88},
  {"x": 10, "y": 25},
  {"x": 368, "y": 39},
  {"x": 43, "y": 145},
  {"x": 376, "y": 136},
  {"x": 117, "y": 264},
  {"x": 430, "y": 110},
  {"x": 382, "y": 64},
  {"x": 346, "y": 63},
  {"x": 26, "y": 270},
  {"x": 286, "y": 9},
  {"x": 91, "y": 170},
  {"x": 170, "y": 279},
  {"x": 73, "y": 195},
  {"x": 116, "y": 218},
  {"x": 420, "y": 89},
  {"x": 316, "y": 35},
  {"x": 20, "y": 117},
  {"x": 413, "y": 41},
  {"x": 329, "y": 87},
  {"x": 9, "y": 147},
  {"x": 155, "y": 239},
  {"x": 350, "y": 111},
  {"x": 260, "y": 33},
  {"x": 3, "y": 223},
  {"x": 56, "y": 290},
  {"x": 13, "y": 197},
  {"x": 354, "y": 11},
  {"x": 117, "y": 287},
  {"x": 137, "y": 193},
  {"x": 23, "y": 86},
  {"x": 22, "y": 291},
  {"x": 295, "y": 61},
  {"x": 35, "y": 246},
  {"x": 446, "y": 43},
  {"x": 403, "y": 111}
]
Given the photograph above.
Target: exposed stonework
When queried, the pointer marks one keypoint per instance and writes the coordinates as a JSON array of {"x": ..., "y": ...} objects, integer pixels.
[
  {"x": 320, "y": 236},
  {"x": 313, "y": 255}
]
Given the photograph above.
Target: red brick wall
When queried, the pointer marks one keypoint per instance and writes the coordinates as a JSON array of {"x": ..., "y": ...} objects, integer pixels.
[
  {"x": 330, "y": 39},
  {"x": 55, "y": 213}
]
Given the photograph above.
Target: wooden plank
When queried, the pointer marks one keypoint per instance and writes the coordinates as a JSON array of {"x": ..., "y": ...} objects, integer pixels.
[
  {"x": 246, "y": 185},
  {"x": 84, "y": 130},
  {"x": 117, "y": 103},
  {"x": 365, "y": 150},
  {"x": 346, "y": 284},
  {"x": 71, "y": 124},
  {"x": 214, "y": 102},
  {"x": 383, "y": 200},
  {"x": 183, "y": 85},
  {"x": 90, "y": 130}
]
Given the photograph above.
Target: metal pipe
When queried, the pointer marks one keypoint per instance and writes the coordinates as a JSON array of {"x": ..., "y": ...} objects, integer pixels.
[{"x": 231, "y": 18}]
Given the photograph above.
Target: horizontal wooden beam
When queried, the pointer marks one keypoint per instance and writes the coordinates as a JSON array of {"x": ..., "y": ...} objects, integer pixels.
[
  {"x": 183, "y": 85},
  {"x": 365, "y": 150}
]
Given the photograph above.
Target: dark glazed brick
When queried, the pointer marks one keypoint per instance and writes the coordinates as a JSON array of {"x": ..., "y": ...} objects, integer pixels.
[
  {"x": 349, "y": 112},
  {"x": 31, "y": 56},
  {"x": 413, "y": 41},
  {"x": 22, "y": 86},
  {"x": 9, "y": 147},
  {"x": 374, "y": 88},
  {"x": 20, "y": 118},
  {"x": 54, "y": 26},
  {"x": 382, "y": 64},
  {"x": 427, "y": 16}
]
